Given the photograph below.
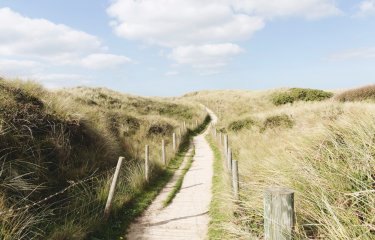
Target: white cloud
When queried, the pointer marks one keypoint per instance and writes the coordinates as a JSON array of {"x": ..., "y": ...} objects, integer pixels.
[
  {"x": 309, "y": 9},
  {"x": 205, "y": 56},
  {"x": 173, "y": 23},
  {"x": 172, "y": 73},
  {"x": 360, "y": 53},
  {"x": 46, "y": 42},
  {"x": 192, "y": 25},
  {"x": 9, "y": 66},
  {"x": 100, "y": 60},
  {"x": 56, "y": 80},
  {"x": 366, "y": 8}
]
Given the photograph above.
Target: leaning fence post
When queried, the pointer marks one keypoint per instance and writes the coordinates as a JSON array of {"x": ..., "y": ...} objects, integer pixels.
[
  {"x": 163, "y": 152},
  {"x": 235, "y": 179},
  {"x": 229, "y": 160},
  {"x": 147, "y": 163},
  {"x": 278, "y": 213},
  {"x": 174, "y": 141},
  {"x": 111, "y": 193}
]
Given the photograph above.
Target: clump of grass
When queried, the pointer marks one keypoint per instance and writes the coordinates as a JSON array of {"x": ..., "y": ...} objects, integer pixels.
[
  {"x": 278, "y": 121},
  {"x": 160, "y": 128},
  {"x": 359, "y": 94},
  {"x": 300, "y": 94},
  {"x": 238, "y": 125}
]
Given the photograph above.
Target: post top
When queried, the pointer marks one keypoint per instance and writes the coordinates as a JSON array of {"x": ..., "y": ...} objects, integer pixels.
[{"x": 278, "y": 190}]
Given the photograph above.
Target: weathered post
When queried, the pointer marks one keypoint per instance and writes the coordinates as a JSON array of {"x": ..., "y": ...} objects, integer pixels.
[
  {"x": 215, "y": 133},
  {"x": 147, "y": 163},
  {"x": 196, "y": 123},
  {"x": 163, "y": 152},
  {"x": 226, "y": 144},
  {"x": 111, "y": 193},
  {"x": 220, "y": 139},
  {"x": 174, "y": 142},
  {"x": 278, "y": 213},
  {"x": 184, "y": 125},
  {"x": 235, "y": 180},
  {"x": 229, "y": 160}
]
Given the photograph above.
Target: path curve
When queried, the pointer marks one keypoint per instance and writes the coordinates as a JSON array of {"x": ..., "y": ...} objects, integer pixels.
[{"x": 187, "y": 216}]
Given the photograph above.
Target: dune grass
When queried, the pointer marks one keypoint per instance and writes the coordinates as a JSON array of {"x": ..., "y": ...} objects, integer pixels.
[
  {"x": 221, "y": 208},
  {"x": 366, "y": 93},
  {"x": 327, "y": 157},
  {"x": 52, "y": 140}
]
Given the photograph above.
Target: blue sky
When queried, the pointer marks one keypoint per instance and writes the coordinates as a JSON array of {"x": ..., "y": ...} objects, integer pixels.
[{"x": 170, "y": 47}]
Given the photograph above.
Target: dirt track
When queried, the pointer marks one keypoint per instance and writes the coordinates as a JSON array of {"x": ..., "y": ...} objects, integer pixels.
[{"x": 187, "y": 216}]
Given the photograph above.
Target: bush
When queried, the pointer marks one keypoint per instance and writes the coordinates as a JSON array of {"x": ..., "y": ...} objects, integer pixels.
[
  {"x": 359, "y": 94},
  {"x": 300, "y": 94},
  {"x": 276, "y": 121},
  {"x": 241, "y": 124}
]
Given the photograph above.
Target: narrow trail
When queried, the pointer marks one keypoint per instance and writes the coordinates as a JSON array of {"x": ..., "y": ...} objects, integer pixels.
[{"x": 187, "y": 216}]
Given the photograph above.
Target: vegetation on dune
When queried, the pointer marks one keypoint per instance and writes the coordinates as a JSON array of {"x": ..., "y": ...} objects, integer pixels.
[
  {"x": 277, "y": 121},
  {"x": 366, "y": 93},
  {"x": 53, "y": 140},
  {"x": 327, "y": 157},
  {"x": 241, "y": 124},
  {"x": 299, "y": 94}
]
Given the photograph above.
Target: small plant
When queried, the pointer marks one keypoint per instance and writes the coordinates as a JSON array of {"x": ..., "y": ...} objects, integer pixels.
[
  {"x": 241, "y": 124},
  {"x": 283, "y": 121},
  {"x": 359, "y": 94},
  {"x": 300, "y": 94}
]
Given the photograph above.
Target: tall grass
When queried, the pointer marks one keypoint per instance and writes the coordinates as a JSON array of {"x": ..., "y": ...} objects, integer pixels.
[
  {"x": 366, "y": 93},
  {"x": 327, "y": 157},
  {"x": 50, "y": 140}
]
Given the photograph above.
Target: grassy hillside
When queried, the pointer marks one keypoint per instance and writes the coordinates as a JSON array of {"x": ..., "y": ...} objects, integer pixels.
[
  {"x": 322, "y": 148},
  {"x": 52, "y": 140}
]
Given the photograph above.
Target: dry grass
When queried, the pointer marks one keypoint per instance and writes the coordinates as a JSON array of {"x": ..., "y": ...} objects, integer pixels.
[
  {"x": 366, "y": 93},
  {"x": 50, "y": 139},
  {"x": 328, "y": 157}
]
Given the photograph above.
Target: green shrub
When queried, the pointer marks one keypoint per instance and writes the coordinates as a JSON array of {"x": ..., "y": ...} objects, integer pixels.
[
  {"x": 300, "y": 94},
  {"x": 277, "y": 121},
  {"x": 282, "y": 98},
  {"x": 241, "y": 124},
  {"x": 359, "y": 94}
]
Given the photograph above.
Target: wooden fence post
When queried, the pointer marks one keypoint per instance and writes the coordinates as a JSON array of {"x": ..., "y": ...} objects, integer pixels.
[
  {"x": 278, "y": 213},
  {"x": 174, "y": 142},
  {"x": 215, "y": 133},
  {"x": 196, "y": 123},
  {"x": 111, "y": 193},
  {"x": 220, "y": 138},
  {"x": 184, "y": 125},
  {"x": 147, "y": 163},
  {"x": 229, "y": 160},
  {"x": 226, "y": 144},
  {"x": 235, "y": 179},
  {"x": 163, "y": 152}
]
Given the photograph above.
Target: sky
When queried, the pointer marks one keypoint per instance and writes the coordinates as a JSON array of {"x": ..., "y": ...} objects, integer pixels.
[{"x": 171, "y": 47}]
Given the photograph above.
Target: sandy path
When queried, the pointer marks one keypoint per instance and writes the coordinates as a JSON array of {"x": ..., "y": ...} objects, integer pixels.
[{"x": 187, "y": 216}]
